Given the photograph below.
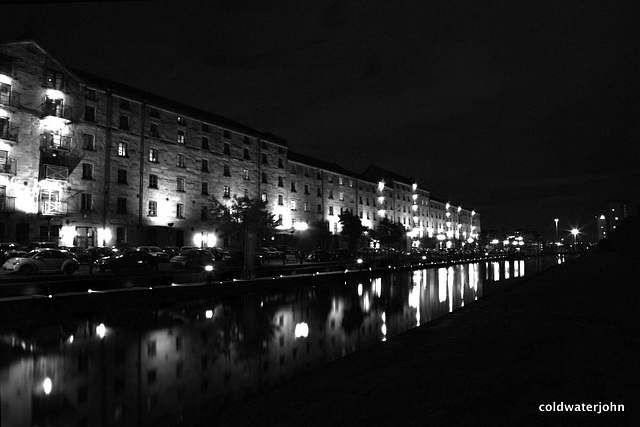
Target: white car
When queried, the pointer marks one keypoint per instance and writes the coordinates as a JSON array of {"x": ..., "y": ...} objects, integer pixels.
[{"x": 44, "y": 260}]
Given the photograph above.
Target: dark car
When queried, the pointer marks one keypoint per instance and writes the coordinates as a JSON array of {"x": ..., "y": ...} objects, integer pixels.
[
  {"x": 171, "y": 250},
  {"x": 319, "y": 256},
  {"x": 10, "y": 250},
  {"x": 129, "y": 260},
  {"x": 192, "y": 258},
  {"x": 82, "y": 255}
]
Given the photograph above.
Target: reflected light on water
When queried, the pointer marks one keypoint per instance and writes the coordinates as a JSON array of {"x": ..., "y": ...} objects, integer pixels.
[
  {"x": 359, "y": 289},
  {"x": 47, "y": 385},
  {"x": 450, "y": 287},
  {"x": 377, "y": 286},
  {"x": 302, "y": 330},
  {"x": 442, "y": 284},
  {"x": 496, "y": 270}
]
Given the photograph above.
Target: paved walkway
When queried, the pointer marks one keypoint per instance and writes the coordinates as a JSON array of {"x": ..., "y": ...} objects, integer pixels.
[{"x": 569, "y": 335}]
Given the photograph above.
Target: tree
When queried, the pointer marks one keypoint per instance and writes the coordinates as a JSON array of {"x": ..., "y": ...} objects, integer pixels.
[
  {"x": 352, "y": 229},
  {"x": 319, "y": 233},
  {"x": 249, "y": 219},
  {"x": 389, "y": 233}
]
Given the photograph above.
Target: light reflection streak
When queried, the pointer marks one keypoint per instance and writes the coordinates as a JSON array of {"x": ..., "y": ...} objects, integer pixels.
[{"x": 442, "y": 284}]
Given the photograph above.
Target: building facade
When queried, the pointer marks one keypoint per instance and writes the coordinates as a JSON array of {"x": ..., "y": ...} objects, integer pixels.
[{"x": 89, "y": 162}]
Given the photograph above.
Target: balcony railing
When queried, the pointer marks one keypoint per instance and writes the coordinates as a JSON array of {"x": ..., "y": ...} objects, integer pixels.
[
  {"x": 49, "y": 208},
  {"x": 52, "y": 109},
  {"x": 60, "y": 173},
  {"x": 57, "y": 142},
  {"x": 7, "y": 204},
  {"x": 10, "y": 99},
  {"x": 9, "y": 132},
  {"x": 8, "y": 166}
]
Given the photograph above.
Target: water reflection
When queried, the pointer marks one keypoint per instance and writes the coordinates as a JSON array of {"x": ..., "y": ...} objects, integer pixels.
[{"x": 176, "y": 365}]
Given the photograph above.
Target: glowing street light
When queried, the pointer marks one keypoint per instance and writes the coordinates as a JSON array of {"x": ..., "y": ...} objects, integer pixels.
[
  {"x": 575, "y": 233},
  {"x": 557, "y": 239}
]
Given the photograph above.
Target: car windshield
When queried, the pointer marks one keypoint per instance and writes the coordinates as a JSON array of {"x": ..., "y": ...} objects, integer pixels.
[
  {"x": 155, "y": 249},
  {"x": 32, "y": 254}
]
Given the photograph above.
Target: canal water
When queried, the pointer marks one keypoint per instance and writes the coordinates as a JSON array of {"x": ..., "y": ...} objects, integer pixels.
[{"x": 178, "y": 363}]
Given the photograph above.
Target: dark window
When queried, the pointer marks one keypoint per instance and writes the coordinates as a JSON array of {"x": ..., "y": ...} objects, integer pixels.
[
  {"x": 179, "y": 210},
  {"x": 121, "y": 205},
  {"x": 88, "y": 142},
  {"x": 293, "y": 187},
  {"x": 89, "y": 113},
  {"x": 204, "y": 213},
  {"x": 205, "y": 127},
  {"x": 122, "y": 176},
  {"x": 227, "y": 149},
  {"x": 182, "y": 121},
  {"x": 124, "y": 122},
  {"x": 226, "y": 171},
  {"x": 205, "y": 165},
  {"x": 264, "y": 178},
  {"x": 87, "y": 171},
  {"x": 226, "y": 134},
  {"x": 280, "y": 181},
  {"x": 153, "y": 181},
  {"x": 264, "y": 145},
  {"x": 153, "y": 130},
  {"x": 205, "y": 143},
  {"x": 280, "y": 164},
  {"x": 180, "y": 184},
  {"x": 264, "y": 159},
  {"x": 6, "y": 64},
  {"x": 90, "y": 94},
  {"x": 124, "y": 104},
  {"x": 246, "y": 154},
  {"x": 205, "y": 188},
  {"x": 154, "y": 113},
  {"x": 247, "y": 140},
  {"x": 86, "y": 202}
]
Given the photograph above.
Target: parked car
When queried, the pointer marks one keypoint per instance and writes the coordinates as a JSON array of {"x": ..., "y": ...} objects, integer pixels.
[
  {"x": 10, "y": 250},
  {"x": 156, "y": 252},
  {"x": 192, "y": 258},
  {"x": 82, "y": 255},
  {"x": 100, "y": 252},
  {"x": 319, "y": 256},
  {"x": 171, "y": 250},
  {"x": 275, "y": 253},
  {"x": 343, "y": 255},
  {"x": 221, "y": 254},
  {"x": 129, "y": 260},
  {"x": 43, "y": 260},
  {"x": 266, "y": 253},
  {"x": 38, "y": 245}
]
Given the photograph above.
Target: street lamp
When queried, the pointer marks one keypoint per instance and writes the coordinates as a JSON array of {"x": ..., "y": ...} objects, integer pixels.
[
  {"x": 575, "y": 232},
  {"x": 556, "y": 220}
]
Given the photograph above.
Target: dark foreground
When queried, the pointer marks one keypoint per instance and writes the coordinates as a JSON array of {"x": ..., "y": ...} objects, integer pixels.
[{"x": 569, "y": 335}]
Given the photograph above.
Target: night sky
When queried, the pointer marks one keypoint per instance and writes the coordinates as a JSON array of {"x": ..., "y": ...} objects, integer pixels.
[{"x": 523, "y": 111}]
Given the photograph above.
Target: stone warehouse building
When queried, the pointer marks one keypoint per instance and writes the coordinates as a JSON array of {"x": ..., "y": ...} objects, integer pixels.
[{"x": 89, "y": 162}]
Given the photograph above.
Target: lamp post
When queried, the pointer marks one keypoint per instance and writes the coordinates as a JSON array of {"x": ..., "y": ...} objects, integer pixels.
[{"x": 556, "y": 221}]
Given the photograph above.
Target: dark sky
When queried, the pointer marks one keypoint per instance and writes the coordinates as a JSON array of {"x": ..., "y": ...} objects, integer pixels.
[{"x": 524, "y": 111}]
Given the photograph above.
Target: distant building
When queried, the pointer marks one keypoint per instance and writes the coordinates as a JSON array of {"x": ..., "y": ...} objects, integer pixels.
[
  {"x": 608, "y": 222},
  {"x": 85, "y": 161}
]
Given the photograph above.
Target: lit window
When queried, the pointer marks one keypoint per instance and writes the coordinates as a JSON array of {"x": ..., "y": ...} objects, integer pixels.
[
  {"x": 341, "y": 197},
  {"x": 340, "y": 180},
  {"x": 264, "y": 197},
  {"x": 294, "y": 205},
  {"x": 123, "y": 150},
  {"x": 153, "y": 155},
  {"x": 307, "y": 207},
  {"x": 226, "y": 191},
  {"x": 181, "y": 137},
  {"x": 181, "y": 120},
  {"x": 181, "y": 163},
  {"x": 153, "y": 208},
  {"x": 245, "y": 174}
]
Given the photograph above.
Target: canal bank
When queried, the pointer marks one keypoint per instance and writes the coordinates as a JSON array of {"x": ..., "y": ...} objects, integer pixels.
[{"x": 568, "y": 335}]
